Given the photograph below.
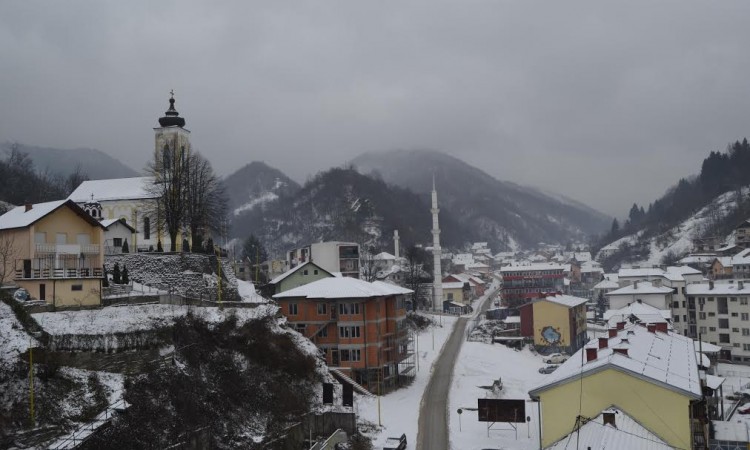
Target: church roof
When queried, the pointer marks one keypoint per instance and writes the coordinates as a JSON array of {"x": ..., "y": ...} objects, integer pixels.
[
  {"x": 172, "y": 117},
  {"x": 136, "y": 188}
]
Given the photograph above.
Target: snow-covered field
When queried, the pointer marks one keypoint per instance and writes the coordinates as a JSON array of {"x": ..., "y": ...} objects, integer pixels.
[
  {"x": 247, "y": 292},
  {"x": 479, "y": 364},
  {"x": 399, "y": 410},
  {"x": 123, "y": 319}
]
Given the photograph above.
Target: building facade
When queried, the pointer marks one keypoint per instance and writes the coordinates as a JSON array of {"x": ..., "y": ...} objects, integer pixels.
[
  {"x": 56, "y": 253},
  {"x": 333, "y": 256},
  {"x": 555, "y": 322},
  {"x": 524, "y": 283}
]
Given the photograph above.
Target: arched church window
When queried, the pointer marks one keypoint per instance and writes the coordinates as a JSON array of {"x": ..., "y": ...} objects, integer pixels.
[
  {"x": 146, "y": 228},
  {"x": 166, "y": 157}
]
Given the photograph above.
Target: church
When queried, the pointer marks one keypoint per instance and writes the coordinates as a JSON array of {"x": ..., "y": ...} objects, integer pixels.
[{"x": 133, "y": 201}]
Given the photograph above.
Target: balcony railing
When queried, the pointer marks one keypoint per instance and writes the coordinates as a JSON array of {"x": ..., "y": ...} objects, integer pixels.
[
  {"x": 67, "y": 249},
  {"x": 58, "y": 273}
]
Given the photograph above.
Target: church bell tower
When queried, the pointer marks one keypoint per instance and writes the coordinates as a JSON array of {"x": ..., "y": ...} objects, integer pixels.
[{"x": 172, "y": 139}]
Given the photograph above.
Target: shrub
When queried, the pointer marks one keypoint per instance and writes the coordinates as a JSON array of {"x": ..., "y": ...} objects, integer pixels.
[{"x": 125, "y": 248}]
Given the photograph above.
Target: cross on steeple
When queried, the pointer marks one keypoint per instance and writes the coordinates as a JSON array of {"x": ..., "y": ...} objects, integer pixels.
[{"x": 171, "y": 93}]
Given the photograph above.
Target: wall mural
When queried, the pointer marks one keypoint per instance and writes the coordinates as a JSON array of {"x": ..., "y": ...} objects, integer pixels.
[{"x": 551, "y": 335}]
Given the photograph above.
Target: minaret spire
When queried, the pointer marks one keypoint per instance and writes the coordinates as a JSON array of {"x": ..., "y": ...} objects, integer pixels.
[{"x": 437, "y": 274}]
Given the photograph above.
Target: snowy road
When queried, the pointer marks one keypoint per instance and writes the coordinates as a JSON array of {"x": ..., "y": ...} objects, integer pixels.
[{"x": 433, "y": 419}]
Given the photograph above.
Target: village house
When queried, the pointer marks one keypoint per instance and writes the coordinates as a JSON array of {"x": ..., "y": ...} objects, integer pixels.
[
  {"x": 651, "y": 293},
  {"x": 297, "y": 276},
  {"x": 55, "y": 251},
  {"x": 335, "y": 257},
  {"x": 555, "y": 322},
  {"x": 742, "y": 235},
  {"x": 358, "y": 326},
  {"x": 526, "y": 282},
  {"x": 657, "y": 379}
]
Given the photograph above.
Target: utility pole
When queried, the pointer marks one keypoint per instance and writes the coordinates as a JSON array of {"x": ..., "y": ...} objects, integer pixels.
[
  {"x": 218, "y": 265},
  {"x": 31, "y": 384}
]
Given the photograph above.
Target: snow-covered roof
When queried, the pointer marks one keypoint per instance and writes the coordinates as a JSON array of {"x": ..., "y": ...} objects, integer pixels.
[
  {"x": 642, "y": 311},
  {"x": 135, "y": 188},
  {"x": 641, "y": 272},
  {"x": 384, "y": 256},
  {"x": 19, "y": 217},
  {"x": 718, "y": 289},
  {"x": 512, "y": 319},
  {"x": 666, "y": 359},
  {"x": 640, "y": 288},
  {"x": 535, "y": 267},
  {"x": 607, "y": 284},
  {"x": 706, "y": 347},
  {"x": 396, "y": 289},
  {"x": 284, "y": 275},
  {"x": 742, "y": 257},
  {"x": 735, "y": 430},
  {"x": 343, "y": 287},
  {"x": 626, "y": 434},
  {"x": 109, "y": 222},
  {"x": 697, "y": 259},
  {"x": 564, "y": 300}
]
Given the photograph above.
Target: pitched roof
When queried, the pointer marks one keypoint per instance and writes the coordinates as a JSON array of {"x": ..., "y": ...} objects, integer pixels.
[
  {"x": 640, "y": 287},
  {"x": 641, "y": 272},
  {"x": 642, "y": 311},
  {"x": 665, "y": 359},
  {"x": 607, "y": 284},
  {"x": 135, "y": 188},
  {"x": 109, "y": 222},
  {"x": 568, "y": 301},
  {"x": 717, "y": 289},
  {"x": 284, "y": 275},
  {"x": 453, "y": 285},
  {"x": 18, "y": 217},
  {"x": 343, "y": 287},
  {"x": 627, "y": 434},
  {"x": 384, "y": 256}
]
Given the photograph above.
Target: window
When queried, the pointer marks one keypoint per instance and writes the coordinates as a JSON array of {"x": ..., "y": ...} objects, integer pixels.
[
  {"x": 117, "y": 242},
  {"x": 702, "y": 330},
  {"x": 355, "y": 354},
  {"x": 722, "y": 306},
  {"x": 746, "y": 331},
  {"x": 723, "y": 323},
  {"x": 323, "y": 331},
  {"x": 61, "y": 238},
  {"x": 304, "y": 272},
  {"x": 315, "y": 271},
  {"x": 349, "y": 332},
  {"x": 450, "y": 295},
  {"x": 711, "y": 328},
  {"x": 744, "y": 316},
  {"x": 734, "y": 314},
  {"x": 711, "y": 314},
  {"x": 348, "y": 308},
  {"x": 735, "y": 330},
  {"x": 292, "y": 309},
  {"x": 301, "y": 327},
  {"x": 40, "y": 238},
  {"x": 723, "y": 338},
  {"x": 675, "y": 304},
  {"x": 676, "y": 319},
  {"x": 732, "y": 299},
  {"x": 702, "y": 316},
  {"x": 743, "y": 300},
  {"x": 146, "y": 228},
  {"x": 76, "y": 287},
  {"x": 322, "y": 308}
]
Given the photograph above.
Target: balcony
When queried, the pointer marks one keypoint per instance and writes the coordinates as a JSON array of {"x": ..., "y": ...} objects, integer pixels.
[
  {"x": 67, "y": 249},
  {"x": 41, "y": 274}
]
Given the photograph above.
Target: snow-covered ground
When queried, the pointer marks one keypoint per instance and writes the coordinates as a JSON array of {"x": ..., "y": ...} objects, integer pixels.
[
  {"x": 399, "y": 410},
  {"x": 123, "y": 319},
  {"x": 480, "y": 364},
  {"x": 13, "y": 339},
  {"x": 247, "y": 292}
]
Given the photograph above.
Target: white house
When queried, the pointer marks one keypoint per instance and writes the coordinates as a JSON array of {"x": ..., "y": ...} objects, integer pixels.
[
  {"x": 659, "y": 297},
  {"x": 116, "y": 233}
]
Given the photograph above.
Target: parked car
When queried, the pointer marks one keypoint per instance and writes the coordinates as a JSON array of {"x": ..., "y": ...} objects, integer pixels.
[
  {"x": 548, "y": 369},
  {"x": 21, "y": 295},
  {"x": 395, "y": 443},
  {"x": 556, "y": 358},
  {"x": 746, "y": 410}
]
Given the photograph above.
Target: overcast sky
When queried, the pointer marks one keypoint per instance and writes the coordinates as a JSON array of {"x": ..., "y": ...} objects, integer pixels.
[{"x": 608, "y": 103}]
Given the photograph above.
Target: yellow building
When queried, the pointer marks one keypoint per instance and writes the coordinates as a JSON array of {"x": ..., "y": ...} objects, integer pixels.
[
  {"x": 54, "y": 250},
  {"x": 557, "y": 321},
  {"x": 453, "y": 292},
  {"x": 650, "y": 375}
]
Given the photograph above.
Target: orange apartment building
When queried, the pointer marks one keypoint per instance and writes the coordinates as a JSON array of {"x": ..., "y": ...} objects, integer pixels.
[{"x": 358, "y": 327}]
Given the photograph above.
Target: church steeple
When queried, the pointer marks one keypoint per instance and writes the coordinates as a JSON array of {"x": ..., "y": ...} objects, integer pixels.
[{"x": 172, "y": 117}]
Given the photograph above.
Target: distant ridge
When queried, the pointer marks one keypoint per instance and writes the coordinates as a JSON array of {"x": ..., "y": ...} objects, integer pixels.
[{"x": 95, "y": 164}]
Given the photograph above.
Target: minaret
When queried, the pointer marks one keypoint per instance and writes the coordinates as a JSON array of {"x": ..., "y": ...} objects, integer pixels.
[
  {"x": 396, "y": 249},
  {"x": 437, "y": 298}
]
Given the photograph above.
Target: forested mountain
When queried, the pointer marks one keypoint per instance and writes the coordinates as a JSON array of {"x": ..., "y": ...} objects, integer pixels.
[
  {"x": 342, "y": 204},
  {"x": 94, "y": 164},
  {"x": 21, "y": 182},
  {"x": 505, "y": 214},
  {"x": 254, "y": 184},
  {"x": 710, "y": 204}
]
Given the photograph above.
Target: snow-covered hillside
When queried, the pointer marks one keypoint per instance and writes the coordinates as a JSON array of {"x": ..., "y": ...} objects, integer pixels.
[{"x": 678, "y": 241}]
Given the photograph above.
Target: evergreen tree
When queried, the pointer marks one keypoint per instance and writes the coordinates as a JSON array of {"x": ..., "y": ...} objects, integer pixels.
[
  {"x": 125, "y": 277},
  {"x": 105, "y": 280},
  {"x": 615, "y": 228},
  {"x": 185, "y": 245},
  {"x": 159, "y": 247},
  {"x": 210, "y": 246},
  {"x": 125, "y": 248},
  {"x": 116, "y": 274}
]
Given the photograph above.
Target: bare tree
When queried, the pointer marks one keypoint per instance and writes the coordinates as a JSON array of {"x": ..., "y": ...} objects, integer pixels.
[
  {"x": 205, "y": 198},
  {"x": 169, "y": 170},
  {"x": 8, "y": 255}
]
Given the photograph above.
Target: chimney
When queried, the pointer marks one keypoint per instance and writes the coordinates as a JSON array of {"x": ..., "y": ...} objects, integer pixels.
[
  {"x": 662, "y": 326},
  {"x": 28, "y": 207},
  {"x": 396, "y": 247},
  {"x": 620, "y": 325},
  {"x": 591, "y": 354},
  {"x": 603, "y": 342},
  {"x": 710, "y": 285},
  {"x": 651, "y": 328},
  {"x": 609, "y": 418},
  {"x": 612, "y": 332},
  {"x": 622, "y": 351}
]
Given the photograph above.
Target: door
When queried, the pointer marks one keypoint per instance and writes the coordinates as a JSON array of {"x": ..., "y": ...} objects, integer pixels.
[
  {"x": 42, "y": 291},
  {"x": 27, "y": 268}
]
